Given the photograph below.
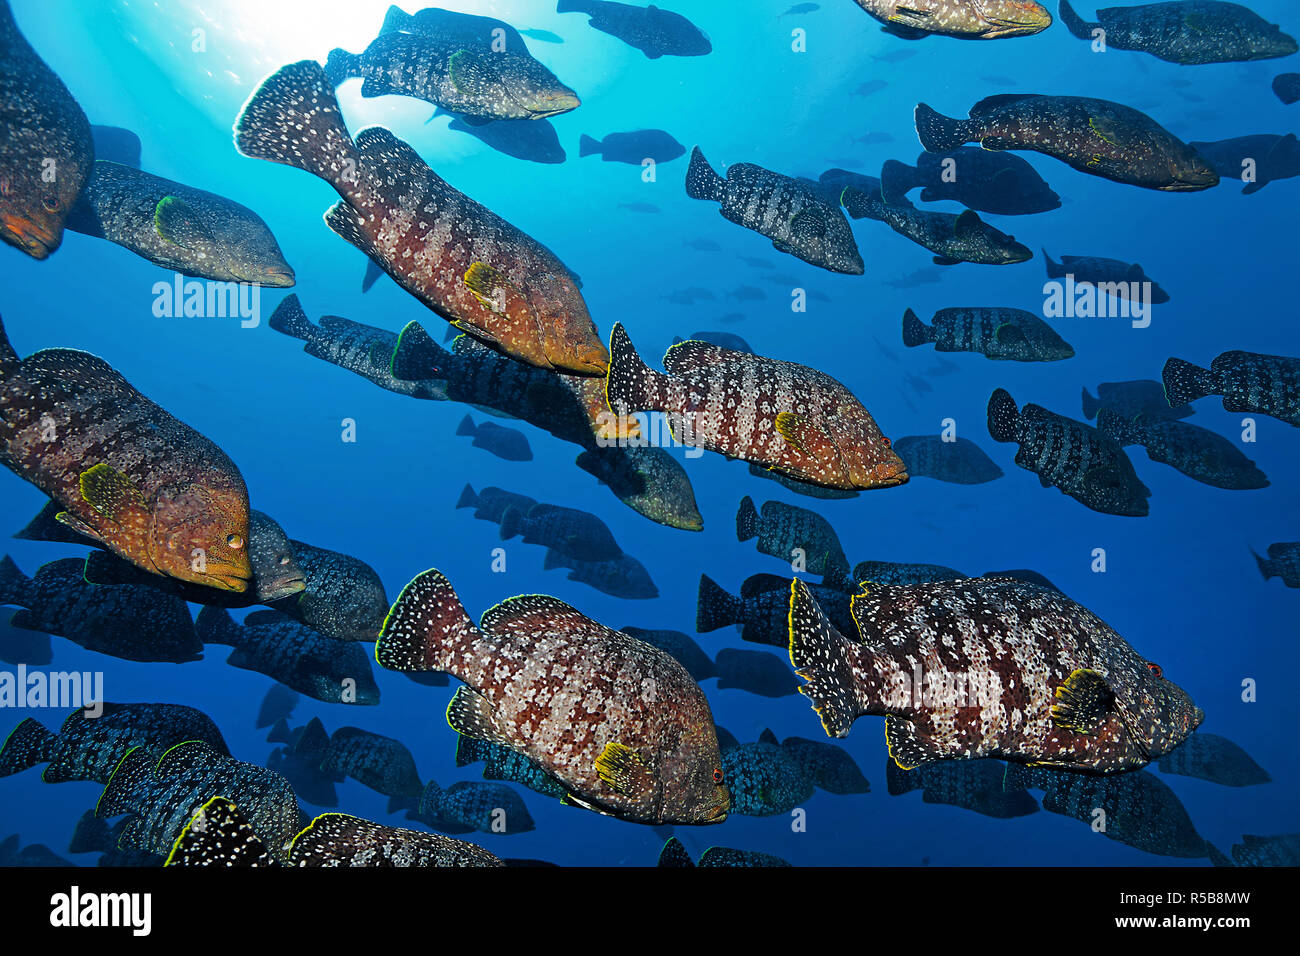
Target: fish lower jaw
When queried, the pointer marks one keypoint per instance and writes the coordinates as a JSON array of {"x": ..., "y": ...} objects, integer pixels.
[
  {"x": 283, "y": 590},
  {"x": 225, "y": 582},
  {"x": 35, "y": 244}
]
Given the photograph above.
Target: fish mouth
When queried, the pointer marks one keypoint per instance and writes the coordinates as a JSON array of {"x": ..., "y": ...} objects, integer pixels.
[
  {"x": 553, "y": 105},
  {"x": 35, "y": 240},
  {"x": 225, "y": 582},
  {"x": 717, "y": 815},
  {"x": 282, "y": 589},
  {"x": 594, "y": 361},
  {"x": 277, "y": 278}
]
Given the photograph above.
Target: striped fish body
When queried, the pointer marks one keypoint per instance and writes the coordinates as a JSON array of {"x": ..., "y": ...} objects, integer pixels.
[
  {"x": 998, "y": 333},
  {"x": 988, "y": 668},
  {"x": 1268, "y": 384},
  {"x": 619, "y": 722},
  {"x": 739, "y": 404},
  {"x": 1199, "y": 453},
  {"x": 790, "y": 532},
  {"x": 454, "y": 255},
  {"x": 381, "y": 763}
]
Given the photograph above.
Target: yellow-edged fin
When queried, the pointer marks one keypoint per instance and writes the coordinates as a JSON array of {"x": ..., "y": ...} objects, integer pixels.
[
  {"x": 489, "y": 286},
  {"x": 1097, "y": 126},
  {"x": 1083, "y": 703},
  {"x": 622, "y": 768},
  {"x": 110, "y": 492},
  {"x": 790, "y": 426}
]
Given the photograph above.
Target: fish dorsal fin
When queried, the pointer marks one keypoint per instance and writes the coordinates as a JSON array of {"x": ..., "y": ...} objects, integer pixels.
[
  {"x": 1083, "y": 703},
  {"x": 694, "y": 355},
  {"x": 219, "y": 835},
  {"x": 111, "y": 493},
  {"x": 991, "y": 103},
  {"x": 624, "y": 770},
  {"x": 967, "y": 224},
  {"x": 471, "y": 714},
  {"x": 531, "y": 614},
  {"x": 764, "y": 583},
  {"x": 767, "y": 737},
  {"x": 179, "y": 223}
]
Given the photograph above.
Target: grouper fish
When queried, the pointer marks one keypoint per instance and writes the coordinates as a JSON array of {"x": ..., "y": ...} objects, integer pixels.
[
  {"x": 792, "y": 215},
  {"x": 1248, "y": 382},
  {"x": 988, "y": 668},
  {"x": 963, "y": 19},
  {"x": 178, "y": 227},
  {"x": 619, "y": 722},
  {"x": 653, "y": 31},
  {"x": 953, "y": 238},
  {"x": 46, "y": 147},
  {"x": 219, "y": 834},
  {"x": 474, "y": 82},
  {"x": 1185, "y": 31},
  {"x": 456, "y": 256},
  {"x": 146, "y": 485},
  {"x": 794, "y": 419},
  {"x": 1094, "y": 136}
]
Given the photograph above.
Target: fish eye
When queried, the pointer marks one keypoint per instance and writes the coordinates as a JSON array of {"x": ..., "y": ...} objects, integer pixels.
[
  {"x": 235, "y": 541},
  {"x": 284, "y": 559},
  {"x": 1155, "y": 669},
  {"x": 50, "y": 203},
  {"x": 886, "y": 442},
  {"x": 717, "y": 775}
]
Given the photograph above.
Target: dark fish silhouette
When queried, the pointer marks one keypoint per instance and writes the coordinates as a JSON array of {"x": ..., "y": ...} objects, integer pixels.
[
  {"x": 675, "y": 855},
  {"x": 572, "y": 533},
  {"x": 116, "y": 145},
  {"x": 468, "y": 805},
  {"x": 381, "y": 763},
  {"x": 756, "y": 672},
  {"x": 178, "y": 227},
  {"x": 653, "y": 31},
  {"x": 1287, "y": 87},
  {"x": 1281, "y": 850},
  {"x": 127, "y": 474},
  {"x": 987, "y": 668},
  {"x": 1185, "y": 31},
  {"x": 1248, "y": 382},
  {"x": 1283, "y": 562},
  {"x": 794, "y": 217},
  {"x": 1112, "y": 276},
  {"x": 1094, "y": 136},
  {"x": 762, "y": 609},
  {"x": 623, "y": 577},
  {"x": 46, "y": 148},
  {"x": 491, "y": 504},
  {"x": 1216, "y": 759},
  {"x": 726, "y": 340},
  {"x": 1272, "y": 157},
  {"x": 800, "y": 487},
  {"x": 974, "y": 785},
  {"x": 1197, "y": 452},
  {"x": 456, "y": 256},
  {"x": 633, "y": 148},
  {"x": 278, "y": 704},
  {"x": 1002, "y": 334},
  {"x": 952, "y": 238},
  {"x": 959, "y": 461},
  {"x": 1083, "y": 462},
  {"x": 893, "y": 572},
  {"x": 621, "y": 723},
  {"x": 764, "y": 779},
  {"x": 794, "y": 535},
  {"x": 1131, "y": 399},
  {"x": 687, "y": 653},
  {"x": 506, "y": 443},
  {"x": 535, "y": 141},
  {"x": 999, "y": 183}
]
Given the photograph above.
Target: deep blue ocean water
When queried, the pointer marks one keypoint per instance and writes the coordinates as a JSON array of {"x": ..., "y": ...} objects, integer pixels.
[{"x": 1180, "y": 585}]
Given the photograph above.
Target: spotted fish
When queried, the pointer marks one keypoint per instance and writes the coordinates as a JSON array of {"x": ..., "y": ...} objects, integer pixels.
[
  {"x": 127, "y": 474},
  {"x": 456, "y": 256},
  {"x": 762, "y": 608},
  {"x": 1197, "y": 452},
  {"x": 653, "y": 31},
  {"x": 1083, "y": 462},
  {"x": 953, "y": 239},
  {"x": 1093, "y": 136},
  {"x": 618, "y": 721},
  {"x": 764, "y": 779},
  {"x": 219, "y": 834},
  {"x": 1248, "y": 382},
  {"x": 46, "y": 148},
  {"x": 1112, "y": 276},
  {"x": 674, "y": 854},
  {"x": 793, "y": 534},
  {"x": 178, "y": 227},
  {"x": 960, "y": 461},
  {"x": 974, "y": 785},
  {"x": 1185, "y": 31},
  {"x": 793, "y": 216},
  {"x": 997, "y": 333},
  {"x": 89, "y": 748},
  {"x": 988, "y": 668},
  {"x": 792, "y": 418},
  {"x": 470, "y": 805},
  {"x": 381, "y": 763},
  {"x": 1283, "y": 562},
  {"x": 964, "y": 19},
  {"x": 343, "y": 597}
]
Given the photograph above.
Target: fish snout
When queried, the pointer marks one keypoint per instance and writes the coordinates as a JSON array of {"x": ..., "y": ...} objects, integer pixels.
[
  {"x": 33, "y": 238},
  {"x": 553, "y": 104}
]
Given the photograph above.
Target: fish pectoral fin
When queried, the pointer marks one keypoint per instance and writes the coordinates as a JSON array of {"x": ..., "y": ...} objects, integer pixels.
[
  {"x": 471, "y": 73},
  {"x": 491, "y": 287},
  {"x": 967, "y": 224},
  {"x": 808, "y": 223},
  {"x": 571, "y": 799},
  {"x": 77, "y": 525},
  {"x": 946, "y": 261},
  {"x": 111, "y": 493},
  {"x": 179, "y": 223},
  {"x": 910, "y": 16},
  {"x": 1083, "y": 703},
  {"x": 796, "y": 430},
  {"x": 472, "y": 715},
  {"x": 1010, "y": 335},
  {"x": 624, "y": 770}
]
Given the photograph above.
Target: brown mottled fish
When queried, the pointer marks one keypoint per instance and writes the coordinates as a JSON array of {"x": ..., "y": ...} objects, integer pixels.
[
  {"x": 620, "y": 723},
  {"x": 794, "y": 419},
  {"x": 456, "y": 256},
  {"x": 128, "y": 474}
]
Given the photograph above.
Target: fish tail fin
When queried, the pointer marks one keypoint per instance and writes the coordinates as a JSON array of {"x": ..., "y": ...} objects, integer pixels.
[
  {"x": 861, "y": 204},
  {"x": 570, "y": 6},
  {"x": 1054, "y": 269},
  {"x": 716, "y": 608},
  {"x": 290, "y": 319},
  {"x": 1265, "y": 568},
  {"x": 280, "y": 732},
  {"x": 466, "y": 427},
  {"x": 467, "y": 499},
  {"x": 1080, "y": 27},
  {"x": 939, "y": 133},
  {"x": 746, "y": 520},
  {"x": 701, "y": 181},
  {"x": 512, "y": 523},
  {"x": 417, "y": 356},
  {"x": 373, "y": 272},
  {"x": 15, "y": 587},
  {"x": 896, "y": 178},
  {"x": 396, "y": 20},
  {"x": 214, "y": 625},
  {"x": 9, "y": 360},
  {"x": 1003, "y": 414},
  {"x": 27, "y": 745},
  {"x": 91, "y": 835},
  {"x": 294, "y": 119},
  {"x": 341, "y": 65},
  {"x": 1091, "y": 405},
  {"x": 425, "y": 628},
  {"x": 1185, "y": 382},
  {"x": 915, "y": 332},
  {"x": 218, "y": 834},
  {"x": 630, "y": 384},
  {"x": 129, "y": 779},
  {"x": 820, "y": 655},
  {"x": 588, "y": 146}
]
